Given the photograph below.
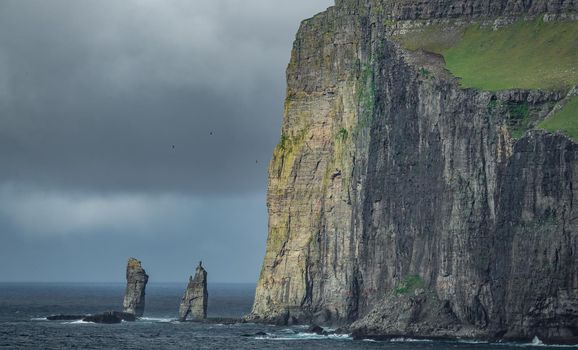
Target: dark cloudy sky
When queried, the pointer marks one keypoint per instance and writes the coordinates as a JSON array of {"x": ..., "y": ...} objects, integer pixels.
[{"x": 93, "y": 96}]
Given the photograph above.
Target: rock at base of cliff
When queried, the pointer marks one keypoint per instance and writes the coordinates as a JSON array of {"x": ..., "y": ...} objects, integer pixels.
[
  {"x": 195, "y": 299},
  {"x": 317, "y": 330},
  {"x": 65, "y": 317},
  {"x": 136, "y": 281},
  {"x": 419, "y": 314},
  {"x": 110, "y": 317}
]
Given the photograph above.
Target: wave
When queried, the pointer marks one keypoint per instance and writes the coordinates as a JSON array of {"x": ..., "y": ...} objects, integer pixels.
[
  {"x": 78, "y": 322},
  {"x": 157, "y": 319},
  {"x": 409, "y": 340},
  {"x": 39, "y": 319},
  {"x": 304, "y": 336},
  {"x": 537, "y": 342},
  {"x": 471, "y": 341}
]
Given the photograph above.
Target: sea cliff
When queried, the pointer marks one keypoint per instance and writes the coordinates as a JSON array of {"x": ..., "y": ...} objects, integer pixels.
[{"x": 402, "y": 201}]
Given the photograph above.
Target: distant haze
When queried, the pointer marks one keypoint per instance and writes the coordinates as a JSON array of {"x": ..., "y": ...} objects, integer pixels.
[{"x": 139, "y": 128}]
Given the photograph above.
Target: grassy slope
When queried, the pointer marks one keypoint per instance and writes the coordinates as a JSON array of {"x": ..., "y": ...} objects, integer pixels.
[
  {"x": 531, "y": 55},
  {"x": 566, "y": 120}
]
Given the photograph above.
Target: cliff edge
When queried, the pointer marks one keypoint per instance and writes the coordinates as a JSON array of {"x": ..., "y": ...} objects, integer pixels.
[{"x": 408, "y": 198}]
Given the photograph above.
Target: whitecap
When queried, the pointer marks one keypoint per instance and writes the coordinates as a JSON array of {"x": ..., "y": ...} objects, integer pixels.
[
  {"x": 536, "y": 341},
  {"x": 78, "y": 322},
  {"x": 472, "y": 341},
  {"x": 409, "y": 340},
  {"x": 157, "y": 319},
  {"x": 305, "y": 336}
]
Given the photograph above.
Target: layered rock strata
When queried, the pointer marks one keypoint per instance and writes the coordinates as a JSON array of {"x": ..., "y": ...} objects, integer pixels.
[
  {"x": 400, "y": 204},
  {"x": 136, "y": 281},
  {"x": 195, "y": 299}
]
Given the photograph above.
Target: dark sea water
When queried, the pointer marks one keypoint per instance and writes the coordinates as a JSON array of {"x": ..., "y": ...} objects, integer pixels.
[{"x": 23, "y": 308}]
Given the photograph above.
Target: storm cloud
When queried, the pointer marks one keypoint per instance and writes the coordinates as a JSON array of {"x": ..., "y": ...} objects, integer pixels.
[{"x": 139, "y": 119}]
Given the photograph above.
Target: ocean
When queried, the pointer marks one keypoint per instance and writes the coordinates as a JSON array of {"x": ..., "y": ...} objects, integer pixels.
[{"x": 25, "y": 306}]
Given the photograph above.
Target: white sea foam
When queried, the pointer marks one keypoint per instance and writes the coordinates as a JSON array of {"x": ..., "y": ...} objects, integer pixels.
[
  {"x": 78, "y": 322},
  {"x": 536, "y": 341},
  {"x": 305, "y": 336},
  {"x": 157, "y": 319},
  {"x": 409, "y": 340},
  {"x": 39, "y": 319},
  {"x": 469, "y": 341}
]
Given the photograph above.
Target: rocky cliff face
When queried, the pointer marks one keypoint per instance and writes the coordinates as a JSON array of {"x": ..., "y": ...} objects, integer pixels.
[
  {"x": 400, "y": 204},
  {"x": 136, "y": 281},
  {"x": 195, "y": 299}
]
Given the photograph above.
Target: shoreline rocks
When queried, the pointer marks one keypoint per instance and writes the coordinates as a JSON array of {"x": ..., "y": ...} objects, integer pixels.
[
  {"x": 110, "y": 317},
  {"x": 65, "y": 317},
  {"x": 107, "y": 317}
]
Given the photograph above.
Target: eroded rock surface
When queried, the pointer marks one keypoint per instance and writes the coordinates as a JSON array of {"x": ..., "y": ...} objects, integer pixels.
[
  {"x": 136, "y": 281},
  {"x": 195, "y": 299},
  {"x": 385, "y": 175}
]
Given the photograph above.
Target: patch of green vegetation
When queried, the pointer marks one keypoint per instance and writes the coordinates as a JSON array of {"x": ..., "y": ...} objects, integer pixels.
[
  {"x": 518, "y": 111},
  {"x": 283, "y": 142},
  {"x": 518, "y": 120},
  {"x": 365, "y": 97},
  {"x": 389, "y": 22},
  {"x": 425, "y": 72},
  {"x": 565, "y": 120},
  {"x": 527, "y": 54},
  {"x": 286, "y": 151},
  {"x": 519, "y": 116},
  {"x": 493, "y": 105},
  {"x": 409, "y": 284},
  {"x": 342, "y": 134}
]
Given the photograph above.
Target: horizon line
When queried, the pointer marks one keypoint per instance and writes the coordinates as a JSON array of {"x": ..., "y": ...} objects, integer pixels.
[{"x": 117, "y": 282}]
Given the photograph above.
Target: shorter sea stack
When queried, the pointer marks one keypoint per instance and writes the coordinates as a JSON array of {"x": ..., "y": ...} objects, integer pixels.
[
  {"x": 194, "y": 301},
  {"x": 136, "y": 281},
  {"x": 110, "y": 317}
]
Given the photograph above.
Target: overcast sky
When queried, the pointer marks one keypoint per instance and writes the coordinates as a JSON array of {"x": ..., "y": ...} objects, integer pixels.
[{"x": 106, "y": 152}]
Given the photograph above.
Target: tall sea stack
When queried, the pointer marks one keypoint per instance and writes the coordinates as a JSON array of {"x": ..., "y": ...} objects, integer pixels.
[
  {"x": 136, "y": 281},
  {"x": 401, "y": 202},
  {"x": 196, "y": 296}
]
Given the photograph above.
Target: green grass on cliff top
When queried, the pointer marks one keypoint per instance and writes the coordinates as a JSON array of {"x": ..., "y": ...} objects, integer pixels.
[
  {"x": 565, "y": 121},
  {"x": 527, "y": 54}
]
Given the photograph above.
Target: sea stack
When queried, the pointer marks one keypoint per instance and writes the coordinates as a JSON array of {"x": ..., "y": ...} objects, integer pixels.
[
  {"x": 136, "y": 281},
  {"x": 195, "y": 299}
]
